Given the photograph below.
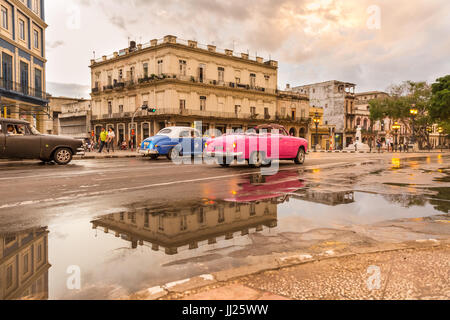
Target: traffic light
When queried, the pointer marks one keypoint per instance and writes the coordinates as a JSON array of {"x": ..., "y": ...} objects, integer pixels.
[
  {"x": 133, "y": 132},
  {"x": 152, "y": 110},
  {"x": 93, "y": 133}
]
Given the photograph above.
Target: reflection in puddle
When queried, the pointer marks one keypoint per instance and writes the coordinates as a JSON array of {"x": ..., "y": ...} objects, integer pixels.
[
  {"x": 24, "y": 265},
  {"x": 189, "y": 226}
]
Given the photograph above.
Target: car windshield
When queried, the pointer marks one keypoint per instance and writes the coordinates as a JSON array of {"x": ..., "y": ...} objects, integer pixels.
[{"x": 164, "y": 132}]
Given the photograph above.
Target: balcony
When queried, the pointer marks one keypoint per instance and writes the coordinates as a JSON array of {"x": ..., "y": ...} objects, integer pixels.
[
  {"x": 153, "y": 79},
  {"x": 18, "y": 91}
]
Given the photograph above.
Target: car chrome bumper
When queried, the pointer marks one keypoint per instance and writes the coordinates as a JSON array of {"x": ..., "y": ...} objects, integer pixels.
[
  {"x": 149, "y": 152},
  {"x": 222, "y": 154},
  {"x": 80, "y": 152}
]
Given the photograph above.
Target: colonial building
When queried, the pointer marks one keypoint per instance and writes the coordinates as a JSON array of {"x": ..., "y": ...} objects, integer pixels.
[
  {"x": 22, "y": 45},
  {"x": 183, "y": 82},
  {"x": 51, "y": 120},
  {"x": 75, "y": 119},
  {"x": 321, "y": 136},
  {"x": 293, "y": 113},
  {"x": 337, "y": 99},
  {"x": 24, "y": 265}
]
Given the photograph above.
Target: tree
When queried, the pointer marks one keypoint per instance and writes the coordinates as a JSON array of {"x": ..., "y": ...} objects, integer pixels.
[
  {"x": 440, "y": 103},
  {"x": 398, "y": 105}
]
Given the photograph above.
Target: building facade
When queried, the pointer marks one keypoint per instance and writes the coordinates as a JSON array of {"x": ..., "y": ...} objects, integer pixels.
[
  {"x": 75, "y": 119},
  {"x": 22, "y": 45},
  {"x": 337, "y": 99},
  {"x": 184, "y": 82},
  {"x": 321, "y": 136},
  {"x": 51, "y": 120},
  {"x": 293, "y": 113}
]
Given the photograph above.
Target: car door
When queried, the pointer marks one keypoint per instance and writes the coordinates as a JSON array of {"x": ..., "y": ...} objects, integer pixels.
[
  {"x": 287, "y": 146},
  {"x": 21, "y": 144},
  {"x": 2, "y": 141}
]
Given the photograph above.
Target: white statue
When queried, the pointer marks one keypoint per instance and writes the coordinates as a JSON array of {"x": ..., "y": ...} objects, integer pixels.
[{"x": 358, "y": 145}]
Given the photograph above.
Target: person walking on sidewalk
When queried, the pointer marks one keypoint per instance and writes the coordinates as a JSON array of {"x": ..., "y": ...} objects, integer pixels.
[
  {"x": 102, "y": 140},
  {"x": 111, "y": 138}
]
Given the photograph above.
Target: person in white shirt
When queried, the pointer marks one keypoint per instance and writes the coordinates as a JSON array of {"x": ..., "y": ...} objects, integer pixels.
[{"x": 111, "y": 139}]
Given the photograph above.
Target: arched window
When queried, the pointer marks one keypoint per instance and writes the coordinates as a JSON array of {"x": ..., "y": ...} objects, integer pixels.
[
  {"x": 293, "y": 132},
  {"x": 302, "y": 132},
  {"x": 365, "y": 125},
  {"x": 358, "y": 122}
]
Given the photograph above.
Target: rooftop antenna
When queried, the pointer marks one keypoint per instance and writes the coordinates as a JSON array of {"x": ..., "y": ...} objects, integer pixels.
[{"x": 94, "y": 55}]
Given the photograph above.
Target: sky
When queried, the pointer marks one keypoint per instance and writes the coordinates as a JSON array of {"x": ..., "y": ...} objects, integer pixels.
[{"x": 367, "y": 42}]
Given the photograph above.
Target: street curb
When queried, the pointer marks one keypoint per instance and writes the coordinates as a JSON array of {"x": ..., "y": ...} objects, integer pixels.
[{"x": 222, "y": 278}]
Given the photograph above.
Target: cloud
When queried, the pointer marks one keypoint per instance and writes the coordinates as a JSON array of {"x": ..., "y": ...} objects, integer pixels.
[
  {"x": 55, "y": 44},
  {"x": 313, "y": 40},
  {"x": 68, "y": 90}
]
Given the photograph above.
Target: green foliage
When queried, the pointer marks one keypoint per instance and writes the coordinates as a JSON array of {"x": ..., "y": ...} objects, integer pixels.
[{"x": 439, "y": 110}]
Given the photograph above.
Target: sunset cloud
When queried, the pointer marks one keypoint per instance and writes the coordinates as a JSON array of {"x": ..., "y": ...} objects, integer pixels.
[{"x": 313, "y": 40}]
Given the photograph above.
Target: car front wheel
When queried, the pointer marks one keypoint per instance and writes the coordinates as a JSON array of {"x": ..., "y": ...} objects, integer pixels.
[
  {"x": 62, "y": 156},
  {"x": 173, "y": 154},
  {"x": 301, "y": 155}
]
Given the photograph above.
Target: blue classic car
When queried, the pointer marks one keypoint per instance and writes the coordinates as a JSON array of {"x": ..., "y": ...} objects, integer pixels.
[{"x": 174, "y": 142}]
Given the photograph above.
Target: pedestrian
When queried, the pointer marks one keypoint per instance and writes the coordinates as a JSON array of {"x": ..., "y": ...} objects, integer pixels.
[
  {"x": 102, "y": 140},
  {"x": 379, "y": 145},
  {"x": 110, "y": 140}
]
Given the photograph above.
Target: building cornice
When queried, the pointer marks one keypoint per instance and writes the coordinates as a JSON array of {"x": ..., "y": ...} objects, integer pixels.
[{"x": 271, "y": 65}]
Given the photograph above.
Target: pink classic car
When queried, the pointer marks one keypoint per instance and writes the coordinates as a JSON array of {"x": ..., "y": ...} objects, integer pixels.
[{"x": 258, "y": 147}]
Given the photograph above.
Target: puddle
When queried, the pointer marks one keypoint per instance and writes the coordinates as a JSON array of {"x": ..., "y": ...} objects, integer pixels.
[{"x": 143, "y": 246}]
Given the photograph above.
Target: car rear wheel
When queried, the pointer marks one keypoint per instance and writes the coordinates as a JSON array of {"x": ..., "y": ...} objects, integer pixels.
[
  {"x": 256, "y": 160},
  {"x": 301, "y": 155},
  {"x": 62, "y": 156}
]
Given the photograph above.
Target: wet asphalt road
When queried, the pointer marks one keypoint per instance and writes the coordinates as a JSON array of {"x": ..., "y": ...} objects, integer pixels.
[
  {"x": 33, "y": 193},
  {"x": 93, "y": 212}
]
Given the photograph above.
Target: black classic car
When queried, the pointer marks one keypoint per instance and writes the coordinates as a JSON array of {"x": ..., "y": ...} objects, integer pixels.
[{"x": 20, "y": 140}]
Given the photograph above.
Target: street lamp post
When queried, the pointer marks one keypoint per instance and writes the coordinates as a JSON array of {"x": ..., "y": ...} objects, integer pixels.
[
  {"x": 396, "y": 127},
  {"x": 316, "y": 122},
  {"x": 413, "y": 111},
  {"x": 133, "y": 133},
  {"x": 429, "y": 131}
]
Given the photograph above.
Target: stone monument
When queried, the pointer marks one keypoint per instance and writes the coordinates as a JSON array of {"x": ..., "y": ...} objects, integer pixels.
[{"x": 358, "y": 145}]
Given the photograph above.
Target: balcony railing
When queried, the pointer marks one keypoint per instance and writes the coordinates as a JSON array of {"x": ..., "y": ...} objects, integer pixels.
[
  {"x": 199, "y": 80},
  {"x": 21, "y": 89}
]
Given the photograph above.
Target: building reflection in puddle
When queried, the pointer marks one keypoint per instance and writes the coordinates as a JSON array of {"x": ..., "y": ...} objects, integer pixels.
[
  {"x": 24, "y": 265},
  {"x": 174, "y": 229}
]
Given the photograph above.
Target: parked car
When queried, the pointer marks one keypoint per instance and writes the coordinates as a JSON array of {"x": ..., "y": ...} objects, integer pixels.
[
  {"x": 20, "y": 140},
  {"x": 258, "y": 146},
  {"x": 174, "y": 142}
]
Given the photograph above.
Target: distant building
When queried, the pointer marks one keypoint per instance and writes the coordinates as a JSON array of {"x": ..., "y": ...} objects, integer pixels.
[
  {"x": 22, "y": 44},
  {"x": 51, "y": 119},
  {"x": 293, "y": 113},
  {"x": 75, "y": 119},
  {"x": 323, "y": 135},
  {"x": 337, "y": 99}
]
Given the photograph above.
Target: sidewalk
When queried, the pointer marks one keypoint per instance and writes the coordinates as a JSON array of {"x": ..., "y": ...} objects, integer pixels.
[{"x": 419, "y": 270}]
